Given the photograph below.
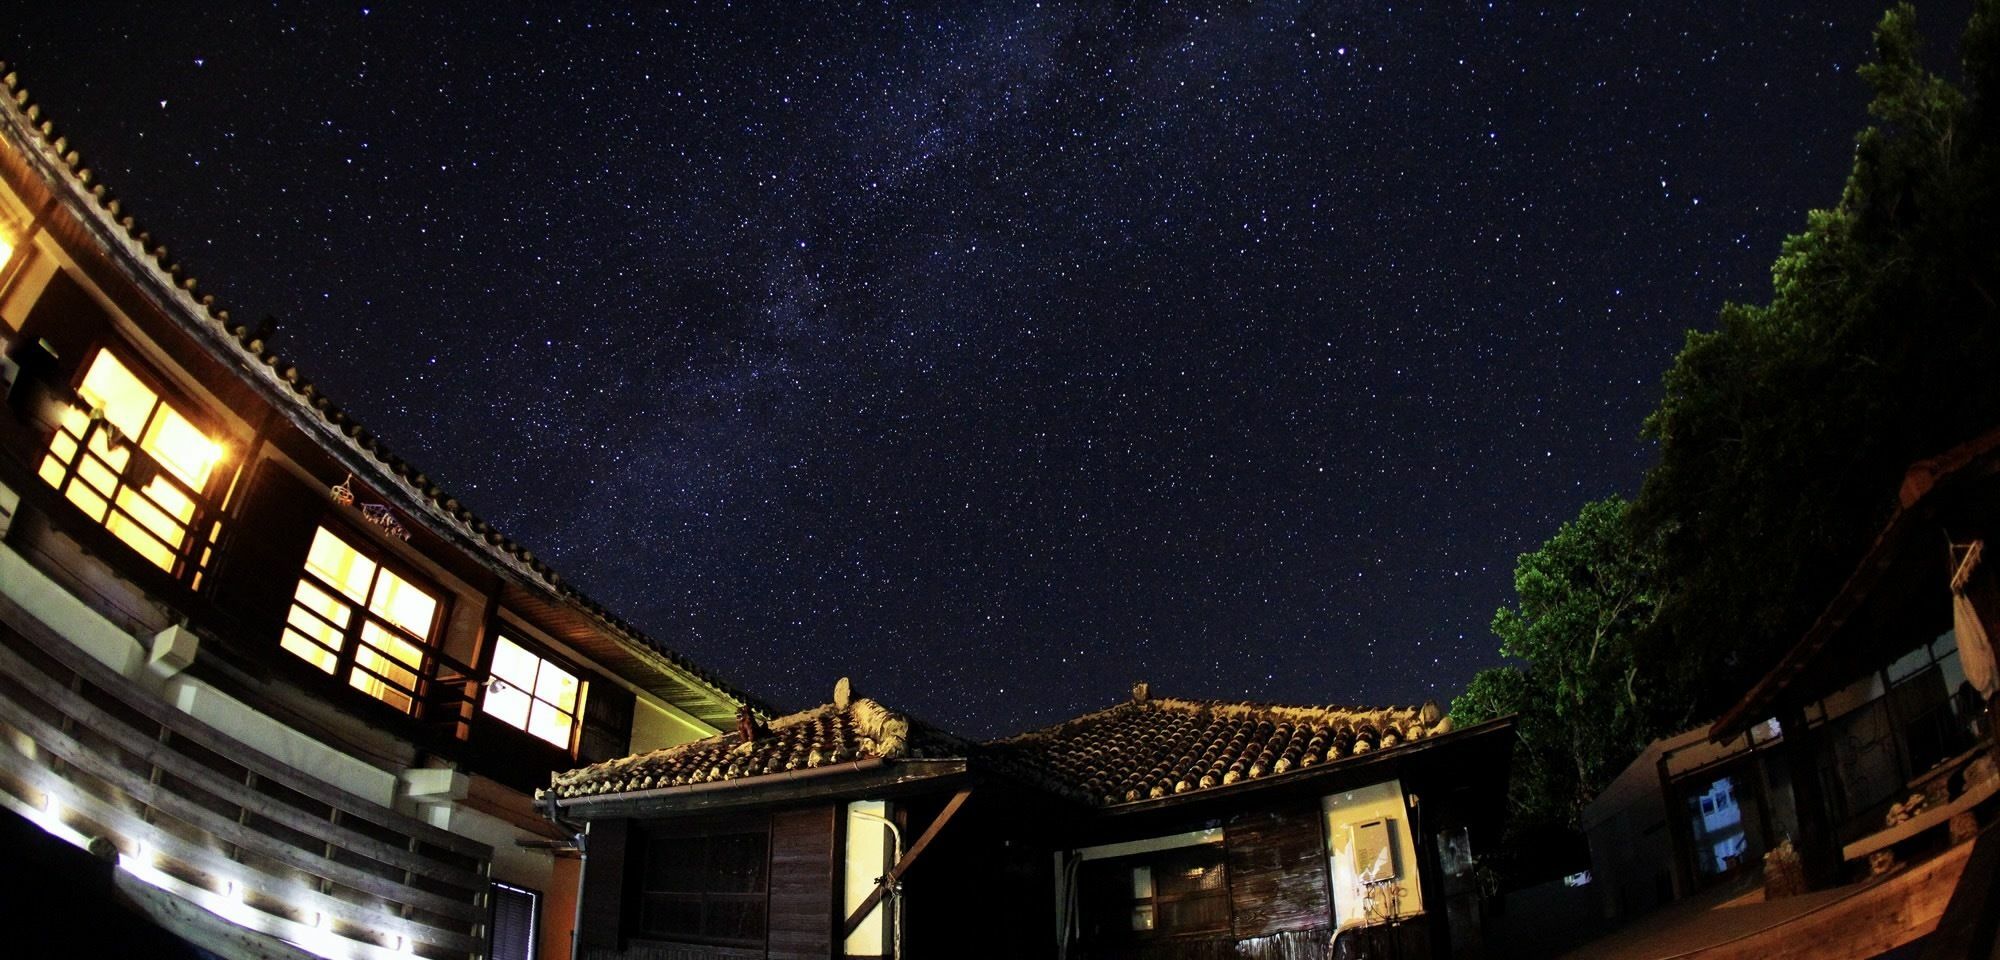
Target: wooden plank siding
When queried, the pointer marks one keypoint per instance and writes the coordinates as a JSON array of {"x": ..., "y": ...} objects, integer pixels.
[
  {"x": 211, "y": 809},
  {"x": 601, "y": 902},
  {"x": 1277, "y": 871},
  {"x": 802, "y": 871}
]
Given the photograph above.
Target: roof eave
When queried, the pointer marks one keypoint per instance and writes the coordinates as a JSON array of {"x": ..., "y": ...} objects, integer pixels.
[
  {"x": 1345, "y": 766},
  {"x": 870, "y": 775}
]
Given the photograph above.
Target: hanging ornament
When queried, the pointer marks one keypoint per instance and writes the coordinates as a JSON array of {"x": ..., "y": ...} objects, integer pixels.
[{"x": 385, "y": 518}]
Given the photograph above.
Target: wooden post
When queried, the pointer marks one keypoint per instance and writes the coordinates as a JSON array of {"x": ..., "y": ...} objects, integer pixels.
[
  {"x": 1819, "y": 857},
  {"x": 909, "y": 857}
]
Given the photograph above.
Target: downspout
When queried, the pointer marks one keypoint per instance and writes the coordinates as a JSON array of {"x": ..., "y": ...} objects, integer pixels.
[
  {"x": 1067, "y": 933},
  {"x": 579, "y": 835},
  {"x": 893, "y": 901}
]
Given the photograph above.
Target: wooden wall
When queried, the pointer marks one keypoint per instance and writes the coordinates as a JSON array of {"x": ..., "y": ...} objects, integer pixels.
[
  {"x": 1280, "y": 902},
  {"x": 1277, "y": 871},
  {"x": 803, "y": 876}
]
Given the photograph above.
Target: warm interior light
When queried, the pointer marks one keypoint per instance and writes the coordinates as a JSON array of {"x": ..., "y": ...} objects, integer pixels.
[
  {"x": 150, "y": 513},
  {"x": 340, "y": 582},
  {"x": 532, "y": 694},
  {"x": 6, "y": 250}
]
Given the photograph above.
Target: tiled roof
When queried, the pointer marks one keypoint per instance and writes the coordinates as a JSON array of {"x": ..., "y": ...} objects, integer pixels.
[
  {"x": 1146, "y": 749},
  {"x": 284, "y": 383},
  {"x": 822, "y": 736},
  {"x": 1142, "y": 749}
]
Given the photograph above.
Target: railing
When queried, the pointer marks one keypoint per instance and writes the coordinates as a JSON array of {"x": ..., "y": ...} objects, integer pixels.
[
  {"x": 450, "y": 696},
  {"x": 200, "y": 813}
]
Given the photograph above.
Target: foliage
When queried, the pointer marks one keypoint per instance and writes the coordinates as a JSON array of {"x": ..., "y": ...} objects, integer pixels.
[
  {"x": 1784, "y": 431},
  {"x": 1583, "y": 598}
]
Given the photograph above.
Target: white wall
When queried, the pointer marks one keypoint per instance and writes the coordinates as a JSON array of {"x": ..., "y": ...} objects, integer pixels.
[
  {"x": 1354, "y": 903},
  {"x": 867, "y": 857},
  {"x": 46, "y": 601},
  {"x": 654, "y": 728}
]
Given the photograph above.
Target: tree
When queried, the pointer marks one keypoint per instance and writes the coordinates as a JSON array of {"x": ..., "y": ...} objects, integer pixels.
[
  {"x": 1582, "y": 600},
  {"x": 1784, "y": 431}
]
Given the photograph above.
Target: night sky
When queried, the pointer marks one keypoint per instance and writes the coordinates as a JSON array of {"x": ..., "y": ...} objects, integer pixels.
[{"x": 996, "y": 355}]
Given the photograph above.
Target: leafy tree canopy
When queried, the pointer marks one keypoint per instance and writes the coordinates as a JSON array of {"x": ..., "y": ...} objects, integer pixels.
[
  {"x": 1784, "y": 431},
  {"x": 1583, "y": 598},
  {"x": 1783, "y": 434}
]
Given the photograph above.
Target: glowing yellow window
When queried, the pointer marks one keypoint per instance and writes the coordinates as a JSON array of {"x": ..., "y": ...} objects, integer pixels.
[
  {"x": 529, "y": 692},
  {"x": 352, "y": 617},
  {"x": 152, "y": 500}
]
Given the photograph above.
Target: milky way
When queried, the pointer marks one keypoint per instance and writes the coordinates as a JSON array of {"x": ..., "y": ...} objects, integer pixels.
[{"x": 997, "y": 357}]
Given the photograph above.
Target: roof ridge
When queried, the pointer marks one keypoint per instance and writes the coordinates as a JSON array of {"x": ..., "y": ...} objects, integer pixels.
[
  {"x": 1292, "y": 712},
  {"x": 285, "y": 383}
]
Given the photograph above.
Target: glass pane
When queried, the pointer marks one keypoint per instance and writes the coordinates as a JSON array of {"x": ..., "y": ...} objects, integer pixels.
[
  {"x": 514, "y": 664},
  {"x": 1142, "y": 917},
  {"x": 313, "y": 653},
  {"x": 169, "y": 499},
  {"x": 550, "y": 724},
  {"x": 139, "y": 539},
  {"x": 392, "y": 645},
  {"x": 557, "y": 686},
  {"x": 321, "y": 632},
  {"x": 670, "y": 914},
  {"x": 125, "y": 401},
  {"x": 402, "y": 604},
  {"x": 509, "y": 703},
  {"x": 1142, "y": 883},
  {"x": 53, "y": 469},
  {"x": 374, "y": 687},
  {"x": 734, "y": 919},
  {"x": 95, "y": 473},
  {"x": 340, "y": 565},
  {"x": 736, "y": 863},
  {"x": 63, "y": 447},
  {"x": 88, "y": 501},
  {"x": 146, "y": 514},
  {"x": 183, "y": 449},
  {"x": 1207, "y": 912},
  {"x": 1189, "y": 870},
  {"x": 383, "y": 669},
  {"x": 676, "y": 864},
  {"x": 323, "y": 603}
]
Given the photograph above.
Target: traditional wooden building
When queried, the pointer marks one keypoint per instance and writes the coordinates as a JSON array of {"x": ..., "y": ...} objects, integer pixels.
[
  {"x": 1156, "y": 828},
  {"x": 1865, "y": 754},
  {"x": 1887, "y": 698},
  {"x": 300, "y": 694}
]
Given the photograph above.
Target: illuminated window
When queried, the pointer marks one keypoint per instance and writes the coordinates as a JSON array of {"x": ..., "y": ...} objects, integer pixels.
[
  {"x": 529, "y": 692},
  {"x": 136, "y": 465},
  {"x": 354, "y": 618}
]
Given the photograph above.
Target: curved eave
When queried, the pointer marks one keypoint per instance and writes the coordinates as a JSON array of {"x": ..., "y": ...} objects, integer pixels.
[{"x": 279, "y": 383}]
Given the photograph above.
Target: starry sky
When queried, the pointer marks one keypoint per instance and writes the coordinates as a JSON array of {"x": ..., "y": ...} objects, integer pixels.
[{"x": 996, "y": 355}]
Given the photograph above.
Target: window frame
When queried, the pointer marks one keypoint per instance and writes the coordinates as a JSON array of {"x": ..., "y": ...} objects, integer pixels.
[
  {"x": 1117, "y": 925},
  {"x": 202, "y": 531},
  {"x": 502, "y": 630},
  {"x": 644, "y": 893},
  {"x": 346, "y": 666}
]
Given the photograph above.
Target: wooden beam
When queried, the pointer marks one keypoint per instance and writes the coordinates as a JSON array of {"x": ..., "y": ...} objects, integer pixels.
[
  {"x": 200, "y": 927},
  {"x": 909, "y": 857}
]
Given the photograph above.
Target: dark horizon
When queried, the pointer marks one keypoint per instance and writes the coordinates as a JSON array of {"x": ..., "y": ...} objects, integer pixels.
[{"x": 1237, "y": 351}]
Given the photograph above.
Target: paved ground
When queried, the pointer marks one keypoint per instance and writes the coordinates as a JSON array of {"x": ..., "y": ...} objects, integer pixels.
[{"x": 1712, "y": 918}]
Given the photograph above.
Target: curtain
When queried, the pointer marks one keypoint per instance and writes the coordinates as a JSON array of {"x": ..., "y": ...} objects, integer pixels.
[{"x": 1975, "y": 647}]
